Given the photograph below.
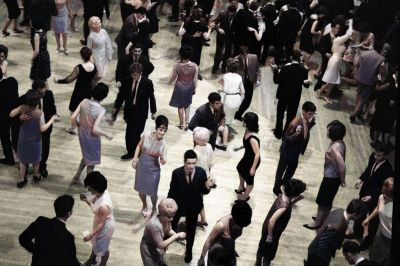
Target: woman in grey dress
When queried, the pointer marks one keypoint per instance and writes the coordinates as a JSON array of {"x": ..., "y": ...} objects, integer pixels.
[
  {"x": 152, "y": 151},
  {"x": 185, "y": 76},
  {"x": 88, "y": 117},
  {"x": 59, "y": 25},
  {"x": 30, "y": 136},
  {"x": 153, "y": 245}
]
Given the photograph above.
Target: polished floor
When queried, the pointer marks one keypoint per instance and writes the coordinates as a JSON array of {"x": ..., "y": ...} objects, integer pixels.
[{"x": 19, "y": 207}]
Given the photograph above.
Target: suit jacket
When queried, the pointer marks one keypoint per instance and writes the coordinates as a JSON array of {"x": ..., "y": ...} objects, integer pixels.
[
  {"x": 253, "y": 69},
  {"x": 290, "y": 79},
  {"x": 223, "y": 22},
  {"x": 243, "y": 19},
  {"x": 122, "y": 70},
  {"x": 50, "y": 243},
  {"x": 188, "y": 197},
  {"x": 8, "y": 99},
  {"x": 144, "y": 95},
  {"x": 289, "y": 24},
  {"x": 48, "y": 108},
  {"x": 372, "y": 182}
]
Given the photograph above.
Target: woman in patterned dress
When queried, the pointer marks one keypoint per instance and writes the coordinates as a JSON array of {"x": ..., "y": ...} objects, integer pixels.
[
  {"x": 152, "y": 151},
  {"x": 40, "y": 59}
]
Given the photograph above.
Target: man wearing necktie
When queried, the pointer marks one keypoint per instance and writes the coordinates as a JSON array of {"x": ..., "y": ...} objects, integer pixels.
[{"x": 137, "y": 92}]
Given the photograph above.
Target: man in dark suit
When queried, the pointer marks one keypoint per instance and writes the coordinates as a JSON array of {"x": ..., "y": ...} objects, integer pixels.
[
  {"x": 290, "y": 79},
  {"x": 136, "y": 91},
  {"x": 294, "y": 143},
  {"x": 188, "y": 184},
  {"x": 351, "y": 252},
  {"x": 135, "y": 56},
  {"x": 8, "y": 101},
  {"x": 48, "y": 107},
  {"x": 48, "y": 240},
  {"x": 244, "y": 19},
  {"x": 331, "y": 234},
  {"x": 251, "y": 76}
]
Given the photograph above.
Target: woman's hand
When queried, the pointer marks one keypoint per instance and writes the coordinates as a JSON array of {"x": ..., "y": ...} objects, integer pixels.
[
  {"x": 252, "y": 171},
  {"x": 366, "y": 198},
  {"x": 181, "y": 235},
  {"x": 109, "y": 136},
  {"x": 134, "y": 163},
  {"x": 365, "y": 223},
  {"x": 251, "y": 29},
  {"x": 88, "y": 238}
]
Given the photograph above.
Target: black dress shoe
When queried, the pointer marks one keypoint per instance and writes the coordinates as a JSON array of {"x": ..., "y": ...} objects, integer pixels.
[
  {"x": 43, "y": 172},
  {"x": 188, "y": 257},
  {"x": 23, "y": 183},
  {"x": 200, "y": 77},
  {"x": 36, "y": 178},
  {"x": 277, "y": 134},
  {"x": 7, "y": 162},
  {"x": 127, "y": 156},
  {"x": 221, "y": 147},
  {"x": 6, "y": 33},
  {"x": 311, "y": 227}
]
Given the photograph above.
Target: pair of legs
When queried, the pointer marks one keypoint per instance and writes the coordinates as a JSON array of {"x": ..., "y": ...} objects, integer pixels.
[
  {"x": 89, "y": 169},
  {"x": 325, "y": 92},
  {"x": 246, "y": 189},
  {"x": 22, "y": 171},
  {"x": 191, "y": 222},
  {"x": 183, "y": 114},
  {"x": 144, "y": 210},
  {"x": 363, "y": 92},
  {"x": 92, "y": 259},
  {"x": 322, "y": 214},
  {"x": 62, "y": 36},
  {"x": 248, "y": 96},
  {"x": 284, "y": 172},
  {"x": 8, "y": 23}
]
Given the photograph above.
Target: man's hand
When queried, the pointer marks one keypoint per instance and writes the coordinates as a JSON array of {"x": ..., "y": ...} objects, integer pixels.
[
  {"x": 358, "y": 184},
  {"x": 25, "y": 117}
]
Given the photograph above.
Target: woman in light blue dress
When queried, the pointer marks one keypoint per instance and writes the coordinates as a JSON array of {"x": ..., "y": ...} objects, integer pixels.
[{"x": 59, "y": 25}]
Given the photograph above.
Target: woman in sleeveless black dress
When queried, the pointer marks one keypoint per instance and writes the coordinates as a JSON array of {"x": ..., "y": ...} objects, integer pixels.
[
  {"x": 251, "y": 159},
  {"x": 41, "y": 59}
]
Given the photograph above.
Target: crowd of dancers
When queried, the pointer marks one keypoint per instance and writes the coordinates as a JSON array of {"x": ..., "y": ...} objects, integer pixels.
[{"x": 340, "y": 42}]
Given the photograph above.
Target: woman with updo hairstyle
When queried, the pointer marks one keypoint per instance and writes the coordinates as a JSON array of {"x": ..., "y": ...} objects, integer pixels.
[
  {"x": 250, "y": 161},
  {"x": 277, "y": 219},
  {"x": 86, "y": 77},
  {"x": 158, "y": 234},
  {"x": 233, "y": 90},
  {"x": 30, "y": 136},
  {"x": 184, "y": 74},
  {"x": 220, "y": 243},
  {"x": 150, "y": 152},
  {"x": 380, "y": 252}
]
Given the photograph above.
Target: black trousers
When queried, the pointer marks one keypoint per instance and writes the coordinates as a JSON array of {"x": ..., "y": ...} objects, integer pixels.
[
  {"x": 284, "y": 49},
  {"x": 291, "y": 111},
  {"x": 191, "y": 222},
  {"x": 27, "y": 10},
  {"x": 223, "y": 51},
  {"x": 284, "y": 172},
  {"x": 134, "y": 128},
  {"x": 175, "y": 8},
  {"x": 45, "y": 148},
  {"x": 9, "y": 141},
  {"x": 248, "y": 96}
]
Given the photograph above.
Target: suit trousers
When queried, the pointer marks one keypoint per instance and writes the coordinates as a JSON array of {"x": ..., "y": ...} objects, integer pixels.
[
  {"x": 284, "y": 173},
  {"x": 9, "y": 141},
  {"x": 291, "y": 111},
  {"x": 223, "y": 51},
  {"x": 191, "y": 223},
  {"x": 284, "y": 49},
  {"x": 134, "y": 128},
  {"x": 248, "y": 96},
  {"x": 45, "y": 148}
]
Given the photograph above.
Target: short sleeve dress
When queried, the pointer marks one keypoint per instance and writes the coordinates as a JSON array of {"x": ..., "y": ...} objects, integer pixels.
[
  {"x": 184, "y": 85},
  {"x": 148, "y": 170},
  {"x": 247, "y": 160},
  {"x": 89, "y": 141},
  {"x": 41, "y": 63},
  {"x": 59, "y": 23},
  {"x": 153, "y": 234},
  {"x": 83, "y": 87},
  {"x": 30, "y": 138}
]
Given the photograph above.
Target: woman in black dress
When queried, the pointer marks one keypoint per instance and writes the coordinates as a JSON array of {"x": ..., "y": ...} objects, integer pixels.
[
  {"x": 251, "y": 159},
  {"x": 40, "y": 59},
  {"x": 86, "y": 77},
  {"x": 276, "y": 221}
]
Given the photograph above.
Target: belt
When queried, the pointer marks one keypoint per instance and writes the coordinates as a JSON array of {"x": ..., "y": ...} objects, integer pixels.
[{"x": 233, "y": 93}]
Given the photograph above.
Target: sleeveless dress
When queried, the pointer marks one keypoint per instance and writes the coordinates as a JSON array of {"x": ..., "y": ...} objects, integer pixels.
[
  {"x": 184, "y": 85},
  {"x": 247, "y": 160},
  {"x": 41, "y": 63},
  {"x": 222, "y": 252},
  {"x": 268, "y": 251},
  {"x": 100, "y": 44},
  {"x": 233, "y": 88},
  {"x": 30, "y": 139},
  {"x": 83, "y": 87},
  {"x": 59, "y": 23},
  {"x": 147, "y": 176},
  {"x": 90, "y": 142},
  {"x": 101, "y": 241}
]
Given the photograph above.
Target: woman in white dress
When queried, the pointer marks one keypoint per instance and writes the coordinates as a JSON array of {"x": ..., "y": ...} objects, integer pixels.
[
  {"x": 233, "y": 90},
  {"x": 100, "y": 43},
  {"x": 103, "y": 222}
]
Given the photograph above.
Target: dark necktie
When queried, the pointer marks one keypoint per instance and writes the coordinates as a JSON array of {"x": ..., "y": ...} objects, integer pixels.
[
  {"x": 246, "y": 70},
  {"x": 134, "y": 93}
]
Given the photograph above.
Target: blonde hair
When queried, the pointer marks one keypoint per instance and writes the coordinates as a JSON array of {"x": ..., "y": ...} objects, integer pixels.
[
  {"x": 167, "y": 207},
  {"x": 91, "y": 20},
  {"x": 201, "y": 135}
]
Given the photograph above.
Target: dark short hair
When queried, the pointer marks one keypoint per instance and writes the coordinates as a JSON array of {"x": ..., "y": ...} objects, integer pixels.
[
  {"x": 32, "y": 98},
  {"x": 336, "y": 130},
  {"x": 382, "y": 147},
  {"x": 253, "y": 5},
  {"x": 243, "y": 49},
  {"x": 309, "y": 107},
  {"x": 250, "y": 119},
  {"x": 96, "y": 181},
  {"x": 135, "y": 68},
  {"x": 197, "y": 13},
  {"x": 4, "y": 50},
  {"x": 232, "y": 65},
  {"x": 185, "y": 52},
  {"x": 351, "y": 247},
  {"x": 357, "y": 207},
  {"x": 189, "y": 154},
  {"x": 38, "y": 84},
  {"x": 141, "y": 10},
  {"x": 241, "y": 213},
  {"x": 213, "y": 97},
  {"x": 294, "y": 187},
  {"x": 232, "y": 9},
  {"x": 100, "y": 91},
  {"x": 63, "y": 205},
  {"x": 296, "y": 55},
  {"x": 86, "y": 53},
  {"x": 162, "y": 120}
]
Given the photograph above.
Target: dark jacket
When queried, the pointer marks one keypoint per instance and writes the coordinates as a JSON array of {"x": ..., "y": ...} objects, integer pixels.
[
  {"x": 122, "y": 70},
  {"x": 50, "y": 243},
  {"x": 8, "y": 99},
  {"x": 290, "y": 80}
]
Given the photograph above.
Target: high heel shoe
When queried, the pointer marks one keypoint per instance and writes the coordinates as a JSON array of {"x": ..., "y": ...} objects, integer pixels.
[
  {"x": 36, "y": 178},
  {"x": 240, "y": 191},
  {"x": 21, "y": 184},
  {"x": 5, "y": 33}
]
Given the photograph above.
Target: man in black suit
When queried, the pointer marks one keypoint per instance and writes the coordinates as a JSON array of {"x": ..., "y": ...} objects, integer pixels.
[
  {"x": 290, "y": 79},
  {"x": 136, "y": 91},
  {"x": 8, "y": 101},
  {"x": 135, "y": 56},
  {"x": 244, "y": 19},
  {"x": 48, "y": 240},
  {"x": 225, "y": 32},
  {"x": 188, "y": 184},
  {"x": 351, "y": 252},
  {"x": 48, "y": 107}
]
